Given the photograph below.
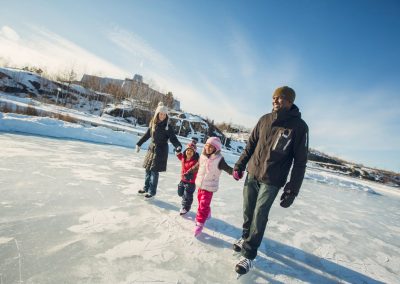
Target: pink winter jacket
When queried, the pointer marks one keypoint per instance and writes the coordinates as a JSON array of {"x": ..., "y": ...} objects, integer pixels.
[{"x": 208, "y": 174}]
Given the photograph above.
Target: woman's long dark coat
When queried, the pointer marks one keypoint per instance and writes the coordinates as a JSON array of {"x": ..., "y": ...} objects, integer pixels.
[{"x": 157, "y": 154}]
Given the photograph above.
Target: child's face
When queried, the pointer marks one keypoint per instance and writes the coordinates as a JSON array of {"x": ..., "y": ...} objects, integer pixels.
[
  {"x": 189, "y": 153},
  {"x": 209, "y": 149}
]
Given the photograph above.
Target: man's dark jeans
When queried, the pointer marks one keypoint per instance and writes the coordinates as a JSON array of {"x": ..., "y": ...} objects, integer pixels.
[{"x": 257, "y": 201}]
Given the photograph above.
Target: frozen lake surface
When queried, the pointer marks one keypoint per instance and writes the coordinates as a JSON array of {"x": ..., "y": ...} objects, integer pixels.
[{"x": 69, "y": 213}]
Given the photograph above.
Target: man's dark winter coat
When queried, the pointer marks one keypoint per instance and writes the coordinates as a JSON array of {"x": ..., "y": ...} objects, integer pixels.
[
  {"x": 157, "y": 154},
  {"x": 279, "y": 140}
]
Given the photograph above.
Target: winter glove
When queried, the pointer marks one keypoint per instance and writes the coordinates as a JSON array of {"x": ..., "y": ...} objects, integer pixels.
[
  {"x": 188, "y": 175},
  {"x": 287, "y": 198},
  {"x": 237, "y": 174},
  {"x": 178, "y": 149},
  {"x": 137, "y": 149}
]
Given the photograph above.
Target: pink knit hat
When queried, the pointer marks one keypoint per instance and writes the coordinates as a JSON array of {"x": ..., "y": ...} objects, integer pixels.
[
  {"x": 215, "y": 142},
  {"x": 192, "y": 145}
]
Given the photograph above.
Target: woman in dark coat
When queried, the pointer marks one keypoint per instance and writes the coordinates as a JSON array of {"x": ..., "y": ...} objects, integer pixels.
[{"x": 157, "y": 153}]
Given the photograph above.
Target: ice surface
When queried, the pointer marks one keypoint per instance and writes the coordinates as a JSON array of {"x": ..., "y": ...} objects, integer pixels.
[{"x": 69, "y": 213}]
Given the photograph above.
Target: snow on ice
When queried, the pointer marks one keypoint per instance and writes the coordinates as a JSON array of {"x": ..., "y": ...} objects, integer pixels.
[{"x": 70, "y": 213}]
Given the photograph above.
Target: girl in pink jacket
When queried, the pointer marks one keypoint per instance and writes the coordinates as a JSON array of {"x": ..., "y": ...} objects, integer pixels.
[{"x": 210, "y": 166}]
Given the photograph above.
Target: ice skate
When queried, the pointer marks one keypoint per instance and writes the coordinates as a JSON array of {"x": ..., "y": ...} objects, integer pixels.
[
  {"x": 148, "y": 196},
  {"x": 237, "y": 246},
  {"x": 198, "y": 229},
  {"x": 243, "y": 266},
  {"x": 183, "y": 211}
]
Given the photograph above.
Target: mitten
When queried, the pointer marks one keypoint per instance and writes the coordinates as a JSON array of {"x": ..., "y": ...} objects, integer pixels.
[
  {"x": 237, "y": 174},
  {"x": 137, "y": 149},
  {"x": 178, "y": 149},
  {"x": 188, "y": 175},
  {"x": 287, "y": 198}
]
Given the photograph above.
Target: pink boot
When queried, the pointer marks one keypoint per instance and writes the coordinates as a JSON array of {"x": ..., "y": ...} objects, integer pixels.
[{"x": 198, "y": 229}]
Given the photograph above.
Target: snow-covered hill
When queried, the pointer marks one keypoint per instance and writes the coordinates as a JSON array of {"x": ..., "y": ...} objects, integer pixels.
[
  {"x": 41, "y": 91},
  {"x": 25, "y": 84},
  {"x": 332, "y": 164}
]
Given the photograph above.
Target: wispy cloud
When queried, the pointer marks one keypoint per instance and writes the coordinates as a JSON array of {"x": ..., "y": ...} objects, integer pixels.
[
  {"x": 139, "y": 48},
  {"x": 256, "y": 70},
  {"x": 224, "y": 107},
  {"x": 52, "y": 52},
  {"x": 243, "y": 53}
]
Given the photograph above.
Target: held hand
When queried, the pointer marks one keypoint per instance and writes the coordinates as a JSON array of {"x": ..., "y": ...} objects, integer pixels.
[
  {"x": 188, "y": 175},
  {"x": 178, "y": 149},
  {"x": 287, "y": 198},
  {"x": 237, "y": 175},
  {"x": 137, "y": 149}
]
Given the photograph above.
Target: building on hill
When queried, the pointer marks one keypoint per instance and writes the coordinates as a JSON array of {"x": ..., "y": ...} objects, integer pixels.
[
  {"x": 99, "y": 82},
  {"x": 131, "y": 88},
  {"x": 138, "y": 78}
]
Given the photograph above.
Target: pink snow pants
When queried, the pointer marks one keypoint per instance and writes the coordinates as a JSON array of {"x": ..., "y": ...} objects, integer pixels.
[{"x": 203, "y": 211}]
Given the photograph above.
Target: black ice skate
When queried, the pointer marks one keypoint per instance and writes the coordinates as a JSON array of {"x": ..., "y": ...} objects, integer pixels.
[
  {"x": 243, "y": 266},
  {"x": 237, "y": 246}
]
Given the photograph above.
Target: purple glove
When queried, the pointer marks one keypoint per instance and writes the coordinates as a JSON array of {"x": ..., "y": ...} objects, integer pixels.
[{"x": 237, "y": 175}]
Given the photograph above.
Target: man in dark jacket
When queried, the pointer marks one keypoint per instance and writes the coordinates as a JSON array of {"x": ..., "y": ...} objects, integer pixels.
[{"x": 278, "y": 141}]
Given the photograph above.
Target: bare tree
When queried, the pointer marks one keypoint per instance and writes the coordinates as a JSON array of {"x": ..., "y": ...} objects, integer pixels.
[
  {"x": 115, "y": 90},
  {"x": 67, "y": 76},
  {"x": 93, "y": 83}
]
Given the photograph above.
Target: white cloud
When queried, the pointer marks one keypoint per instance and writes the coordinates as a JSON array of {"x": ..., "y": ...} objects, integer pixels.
[
  {"x": 9, "y": 33},
  {"x": 52, "y": 52}
]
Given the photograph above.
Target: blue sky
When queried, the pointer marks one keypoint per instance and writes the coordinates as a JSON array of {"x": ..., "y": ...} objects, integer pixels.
[{"x": 223, "y": 59}]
